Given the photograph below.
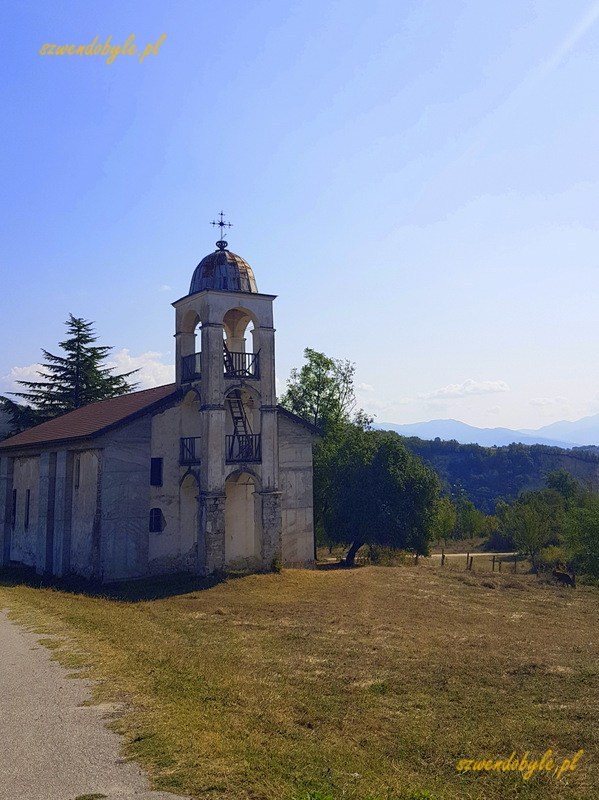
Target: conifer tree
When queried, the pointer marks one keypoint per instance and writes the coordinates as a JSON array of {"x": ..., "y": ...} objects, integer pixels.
[{"x": 69, "y": 381}]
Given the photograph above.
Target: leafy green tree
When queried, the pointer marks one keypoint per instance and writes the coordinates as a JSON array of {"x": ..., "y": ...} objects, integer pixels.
[
  {"x": 470, "y": 522},
  {"x": 322, "y": 392},
  {"x": 534, "y": 520},
  {"x": 566, "y": 485},
  {"x": 69, "y": 381},
  {"x": 369, "y": 489},
  {"x": 582, "y": 535},
  {"x": 444, "y": 518}
]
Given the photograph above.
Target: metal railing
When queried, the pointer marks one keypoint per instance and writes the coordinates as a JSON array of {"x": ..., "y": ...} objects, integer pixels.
[
  {"x": 243, "y": 447},
  {"x": 241, "y": 365},
  {"x": 190, "y": 367},
  {"x": 190, "y": 450}
]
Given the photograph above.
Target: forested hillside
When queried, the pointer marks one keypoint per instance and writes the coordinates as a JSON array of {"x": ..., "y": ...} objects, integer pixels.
[
  {"x": 5, "y": 426},
  {"x": 487, "y": 473}
]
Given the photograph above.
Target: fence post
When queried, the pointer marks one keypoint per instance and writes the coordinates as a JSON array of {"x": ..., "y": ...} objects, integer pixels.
[
  {"x": 515, "y": 564},
  {"x": 467, "y": 559},
  {"x": 493, "y": 564},
  {"x": 416, "y": 560},
  {"x": 443, "y": 557},
  {"x": 500, "y": 566},
  {"x": 471, "y": 560}
]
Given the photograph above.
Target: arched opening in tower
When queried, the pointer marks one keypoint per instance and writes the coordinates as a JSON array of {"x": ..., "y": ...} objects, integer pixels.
[
  {"x": 241, "y": 346},
  {"x": 191, "y": 347}
]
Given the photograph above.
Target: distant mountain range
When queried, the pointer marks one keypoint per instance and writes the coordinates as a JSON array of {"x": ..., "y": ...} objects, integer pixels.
[{"x": 559, "y": 434}]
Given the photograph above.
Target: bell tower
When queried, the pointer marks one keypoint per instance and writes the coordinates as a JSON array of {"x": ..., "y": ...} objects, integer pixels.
[{"x": 225, "y": 357}]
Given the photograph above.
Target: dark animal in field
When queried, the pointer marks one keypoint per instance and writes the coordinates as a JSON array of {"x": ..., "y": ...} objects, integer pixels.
[{"x": 564, "y": 578}]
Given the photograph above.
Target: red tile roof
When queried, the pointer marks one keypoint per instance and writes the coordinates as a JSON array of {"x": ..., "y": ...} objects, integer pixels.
[{"x": 92, "y": 419}]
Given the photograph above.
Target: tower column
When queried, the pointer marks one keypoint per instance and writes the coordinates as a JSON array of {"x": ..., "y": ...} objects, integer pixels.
[
  {"x": 213, "y": 380},
  {"x": 267, "y": 366}
]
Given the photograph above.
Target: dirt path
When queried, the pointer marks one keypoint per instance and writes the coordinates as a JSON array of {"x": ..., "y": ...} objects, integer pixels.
[{"x": 53, "y": 747}]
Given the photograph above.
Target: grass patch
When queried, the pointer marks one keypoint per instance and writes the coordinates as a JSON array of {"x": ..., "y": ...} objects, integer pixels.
[
  {"x": 366, "y": 684},
  {"x": 90, "y": 797}
]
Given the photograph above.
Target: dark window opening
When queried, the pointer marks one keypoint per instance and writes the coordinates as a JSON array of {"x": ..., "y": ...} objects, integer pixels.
[
  {"x": 77, "y": 471},
  {"x": 27, "y": 502},
  {"x": 156, "y": 472},
  {"x": 157, "y": 521}
]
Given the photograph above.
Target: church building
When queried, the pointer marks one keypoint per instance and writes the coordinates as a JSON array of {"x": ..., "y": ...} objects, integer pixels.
[{"x": 204, "y": 474}]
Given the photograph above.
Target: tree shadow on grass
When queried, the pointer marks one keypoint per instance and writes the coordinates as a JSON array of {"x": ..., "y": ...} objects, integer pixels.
[
  {"x": 326, "y": 566},
  {"x": 131, "y": 591}
]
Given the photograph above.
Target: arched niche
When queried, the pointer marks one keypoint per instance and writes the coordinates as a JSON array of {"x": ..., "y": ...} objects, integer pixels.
[
  {"x": 189, "y": 346},
  {"x": 190, "y": 414},
  {"x": 189, "y": 490},
  {"x": 242, "y": 520}
]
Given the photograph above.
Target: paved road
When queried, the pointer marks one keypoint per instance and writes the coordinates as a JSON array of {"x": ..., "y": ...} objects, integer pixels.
[{"x": 52, "y": 747}]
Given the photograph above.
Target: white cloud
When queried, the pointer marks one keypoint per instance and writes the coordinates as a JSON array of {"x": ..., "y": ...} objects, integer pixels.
[
  {"x": 466, "y": 389},
  {"x": 364, "y": 387},
  {"x": 548, "y": 401},
  {"x": 152, "y": 372},
  {"x": 8, "y": 383},
  {"x": 164, "y": 287},
  {"x": 494, "y": 410}
]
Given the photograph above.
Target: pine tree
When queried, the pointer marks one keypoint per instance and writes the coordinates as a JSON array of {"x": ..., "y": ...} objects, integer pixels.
[{"x": 69, "y": 381}]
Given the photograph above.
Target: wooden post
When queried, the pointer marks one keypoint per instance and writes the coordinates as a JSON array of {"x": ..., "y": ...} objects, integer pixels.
[
  {"x": 443, "y": 557},
  {"x": 471, "y": 560},
  {"x": 515, "y": 564},
  {"x": 416, "y": 560},
  {"x": 500, "y": 566},
  {"x": 467, "y": 559},
  {"x": 493, "y": 568}
]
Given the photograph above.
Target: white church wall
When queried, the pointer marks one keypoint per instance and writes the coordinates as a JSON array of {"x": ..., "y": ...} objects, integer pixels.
[
  {"x": 84, "y": 511},
  {"x": 174, "y": 548},
  {"x": 125, "y": 481},
  {"x": 295, "y": 481},
  {"x": 24, "y": 534}
]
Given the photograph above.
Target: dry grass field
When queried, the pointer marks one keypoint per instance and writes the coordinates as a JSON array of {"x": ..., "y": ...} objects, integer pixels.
[{"x": 363, "y": 684}]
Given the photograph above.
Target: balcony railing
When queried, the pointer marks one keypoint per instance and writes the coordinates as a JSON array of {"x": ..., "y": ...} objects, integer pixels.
[
  {"x": 190, "y": 450},
  {"x": 241, "y": 365},
  {"x": 190, "y": 368},
  {"x": 243, "y": 447}
]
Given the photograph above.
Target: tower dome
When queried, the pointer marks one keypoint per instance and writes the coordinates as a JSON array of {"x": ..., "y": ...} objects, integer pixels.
[{"x": 224, "y": 271}]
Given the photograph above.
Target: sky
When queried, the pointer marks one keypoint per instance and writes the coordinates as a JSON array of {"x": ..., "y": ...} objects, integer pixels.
[{"x": 417, "y": 182}]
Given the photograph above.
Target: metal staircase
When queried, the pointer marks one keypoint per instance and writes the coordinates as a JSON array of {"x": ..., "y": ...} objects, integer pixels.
[
  {"x": 242, "y": 445},
  {"x": 241, "y": 424}
]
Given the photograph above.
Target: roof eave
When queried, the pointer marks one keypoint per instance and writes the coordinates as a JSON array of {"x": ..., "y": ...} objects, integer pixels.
[{"x": 141, "y": 412}]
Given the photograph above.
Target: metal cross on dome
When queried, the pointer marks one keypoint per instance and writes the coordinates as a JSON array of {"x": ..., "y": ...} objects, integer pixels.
[{"x": 221, "y": 244}]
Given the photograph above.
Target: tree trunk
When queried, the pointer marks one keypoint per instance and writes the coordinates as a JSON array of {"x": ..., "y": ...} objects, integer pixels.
[{"x": 351, "y": 555}]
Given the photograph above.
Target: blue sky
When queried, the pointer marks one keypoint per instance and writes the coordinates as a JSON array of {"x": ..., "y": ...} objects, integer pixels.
[{"x": 418, "y": 182}]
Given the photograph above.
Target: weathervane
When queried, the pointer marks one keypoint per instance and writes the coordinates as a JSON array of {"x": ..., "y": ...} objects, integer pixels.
[{"x": 221, "y": 244}]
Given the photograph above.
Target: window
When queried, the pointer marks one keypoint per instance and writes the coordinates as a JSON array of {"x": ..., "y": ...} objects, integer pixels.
[
  {"x": 157, "y": 521},
  {"x": 13, "y": 515},
  {"x": 27, "y": 502},
  {"x": 156, "y": 472}
]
